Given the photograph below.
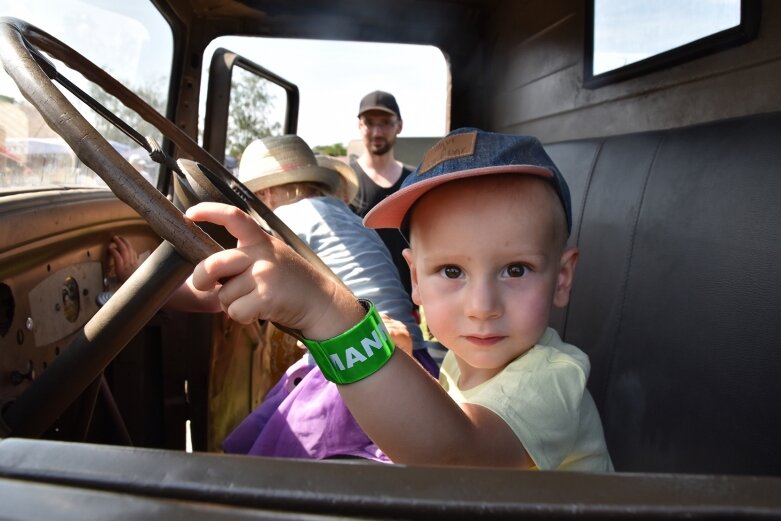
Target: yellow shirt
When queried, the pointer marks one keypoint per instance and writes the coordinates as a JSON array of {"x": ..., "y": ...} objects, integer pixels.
[{"x": 542, "y": 396}]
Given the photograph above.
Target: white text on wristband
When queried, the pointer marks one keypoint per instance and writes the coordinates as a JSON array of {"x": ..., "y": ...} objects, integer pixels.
[{"x": 356, "y": 353}]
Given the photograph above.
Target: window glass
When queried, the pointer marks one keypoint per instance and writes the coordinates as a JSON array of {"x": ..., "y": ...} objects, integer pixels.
[
  {"x": 131, "y": 41},
  {"x": 332, "y": 77},
  {"x": 257, "y": 109},
  {"x": 625, "y": 32}
]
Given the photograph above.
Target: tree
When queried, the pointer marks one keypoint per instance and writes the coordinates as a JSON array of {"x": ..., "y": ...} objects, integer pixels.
[
  {"x": 336, "y": 150},
  {"x": 152, "y": 93},
  {"x": 248, "y": 116}
]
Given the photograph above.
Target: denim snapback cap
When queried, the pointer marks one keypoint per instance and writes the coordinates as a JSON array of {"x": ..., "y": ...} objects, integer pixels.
[{"x": 470, "y": 152}]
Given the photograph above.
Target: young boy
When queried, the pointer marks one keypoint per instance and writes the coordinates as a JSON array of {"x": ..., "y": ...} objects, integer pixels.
[{"x": 488, "y": 216}]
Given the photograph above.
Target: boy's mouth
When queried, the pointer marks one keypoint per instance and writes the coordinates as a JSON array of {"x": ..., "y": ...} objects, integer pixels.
[{"x": 484, "y": 340}]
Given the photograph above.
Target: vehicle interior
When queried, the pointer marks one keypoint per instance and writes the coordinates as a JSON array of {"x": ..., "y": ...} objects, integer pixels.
[{"x": 112, "y": 406}]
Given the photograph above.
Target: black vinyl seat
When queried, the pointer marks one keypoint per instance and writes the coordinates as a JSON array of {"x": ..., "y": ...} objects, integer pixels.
[{"x": 677, "y": 295}]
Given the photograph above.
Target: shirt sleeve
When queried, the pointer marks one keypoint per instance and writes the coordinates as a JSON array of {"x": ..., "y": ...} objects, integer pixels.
[{"x": 540, "y": 399}]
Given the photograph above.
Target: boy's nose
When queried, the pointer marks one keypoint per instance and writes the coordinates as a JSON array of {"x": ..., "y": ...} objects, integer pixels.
[{"x": 482, "y": 300}]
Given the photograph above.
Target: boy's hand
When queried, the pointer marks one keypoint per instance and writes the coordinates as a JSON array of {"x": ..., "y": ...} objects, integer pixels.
[
  {"x": 125, "y": 257},
  {"x": 398, "y": 333},
  {"x": 262, "y": 278}
]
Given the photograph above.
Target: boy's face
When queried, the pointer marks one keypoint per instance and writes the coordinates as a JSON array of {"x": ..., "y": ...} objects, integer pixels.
[{"x": 488, "y": 262}]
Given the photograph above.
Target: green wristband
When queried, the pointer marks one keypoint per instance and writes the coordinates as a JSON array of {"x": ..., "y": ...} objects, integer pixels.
[{"x": 355, "y": 354}]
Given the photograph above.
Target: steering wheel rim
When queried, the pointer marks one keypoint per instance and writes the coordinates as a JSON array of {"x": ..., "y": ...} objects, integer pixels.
[
  {"x": 183, "y": 142},
  {"x": 87, "y": 143},
  {"x": 188, "y": 239}
]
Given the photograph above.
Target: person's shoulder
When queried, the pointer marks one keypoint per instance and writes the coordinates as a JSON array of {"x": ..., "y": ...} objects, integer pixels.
[
  {"x": 292, "y": 208},
  {"x": 336, "y": 214},
  {"x": 550, "y": 353},
  {"x": 330, "y": 204},
  {"x": 352, "y": 160},
  {"x": 563, "y": 350},
  {"x": 300, "y": 216}
]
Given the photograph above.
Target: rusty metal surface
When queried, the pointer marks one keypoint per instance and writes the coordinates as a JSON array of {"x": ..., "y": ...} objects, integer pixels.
[{"x": 355, "y": 489}]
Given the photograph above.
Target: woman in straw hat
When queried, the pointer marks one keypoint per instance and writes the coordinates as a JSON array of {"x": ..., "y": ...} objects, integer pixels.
[
  {"x": 310, "y": 195},
  {"x": 303, "y": 415}
]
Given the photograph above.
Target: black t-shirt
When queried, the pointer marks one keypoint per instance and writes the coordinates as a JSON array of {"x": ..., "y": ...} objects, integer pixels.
[{"x": 369, "y": 194}]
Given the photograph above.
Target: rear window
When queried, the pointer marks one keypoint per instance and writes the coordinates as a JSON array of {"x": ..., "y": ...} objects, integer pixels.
[{"x": 628, "y": 38}]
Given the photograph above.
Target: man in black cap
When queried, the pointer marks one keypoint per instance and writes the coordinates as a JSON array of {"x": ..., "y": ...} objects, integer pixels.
[{"x": 379, "y": 173}]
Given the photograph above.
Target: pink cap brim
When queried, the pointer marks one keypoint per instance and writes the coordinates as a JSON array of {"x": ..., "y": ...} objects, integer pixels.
[{"x": 390, "y": 212}]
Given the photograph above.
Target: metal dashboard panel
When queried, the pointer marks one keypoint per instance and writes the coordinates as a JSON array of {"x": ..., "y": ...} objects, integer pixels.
[
  {"x": 64, "y": 301},
  {"x": 54, "y": 263}
]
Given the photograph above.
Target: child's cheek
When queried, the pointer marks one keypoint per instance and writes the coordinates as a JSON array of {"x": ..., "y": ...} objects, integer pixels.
[
  {"x": 439, "y": 299},
  {"x": 437, "y": 322},
  {"x": 531, "y": 315}
]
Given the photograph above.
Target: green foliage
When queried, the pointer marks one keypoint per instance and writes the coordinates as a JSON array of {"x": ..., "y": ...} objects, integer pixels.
[
  {"x": 336, "y": 150},
  {"x": 152, "y": 93},
  {"x": 248, "y": 117}
]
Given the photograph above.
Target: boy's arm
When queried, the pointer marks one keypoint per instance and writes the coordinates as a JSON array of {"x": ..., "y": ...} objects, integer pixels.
[
  {"x": 401, "y": 408},
  {"x": 188, "y": 298},
  {"x": 414, "y": 421}
]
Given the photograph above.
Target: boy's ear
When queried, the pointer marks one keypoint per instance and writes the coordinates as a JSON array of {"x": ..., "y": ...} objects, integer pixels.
[
  {"x": 413, "y": 275},
  {"x": 569, "y": 260}
]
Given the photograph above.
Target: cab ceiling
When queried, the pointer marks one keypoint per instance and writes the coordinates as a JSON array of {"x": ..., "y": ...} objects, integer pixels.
[{"x": 449, "y": 24}]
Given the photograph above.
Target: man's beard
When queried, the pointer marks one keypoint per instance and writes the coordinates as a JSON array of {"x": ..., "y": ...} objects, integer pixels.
[{"x": 380, "y": 149}]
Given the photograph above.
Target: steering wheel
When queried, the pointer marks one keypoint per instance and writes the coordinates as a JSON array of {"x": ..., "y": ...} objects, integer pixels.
[{"x": 185, "y": 244}]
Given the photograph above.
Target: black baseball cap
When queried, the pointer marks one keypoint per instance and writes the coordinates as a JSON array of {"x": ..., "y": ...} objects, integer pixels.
[{"x": 379, "y": 100}]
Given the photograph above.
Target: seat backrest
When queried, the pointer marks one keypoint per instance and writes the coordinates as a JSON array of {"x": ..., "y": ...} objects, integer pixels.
[{"x": 677, "y": 294}]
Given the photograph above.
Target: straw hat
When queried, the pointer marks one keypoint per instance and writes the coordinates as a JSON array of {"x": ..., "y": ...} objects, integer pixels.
[
  {"x": 349, "y": 181},
  {"x": 279, "y": 160}
]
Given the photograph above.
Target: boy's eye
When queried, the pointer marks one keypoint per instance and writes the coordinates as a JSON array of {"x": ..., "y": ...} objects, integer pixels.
[
  {"x": 451, "y": 272},
  {"x": 516, "y": 270}
]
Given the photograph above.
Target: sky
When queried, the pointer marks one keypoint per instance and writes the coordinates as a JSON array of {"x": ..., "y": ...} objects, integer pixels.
[
  {"x": 626, "y": 31},
  {"x": 331, "y": 76}
]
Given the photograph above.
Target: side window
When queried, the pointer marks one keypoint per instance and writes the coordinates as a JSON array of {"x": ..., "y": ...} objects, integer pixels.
[
  {"x": 244, "y": 102},
  {"x": 331, "y": 76},
  {"x": 257, "y": 109},
  {"x": 627, "y": 38}
]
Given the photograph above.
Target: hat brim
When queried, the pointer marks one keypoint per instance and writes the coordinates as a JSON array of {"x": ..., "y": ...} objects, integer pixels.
[
  {"x": 378, "y": 108},
  {"x": 308, "y": 174},
  {"x": 349, "y": 176},
  {"x": 392, "y": 210}
]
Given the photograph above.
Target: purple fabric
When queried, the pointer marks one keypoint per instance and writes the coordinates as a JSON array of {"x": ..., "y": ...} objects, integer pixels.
[{"x": 303, "y": 416}]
